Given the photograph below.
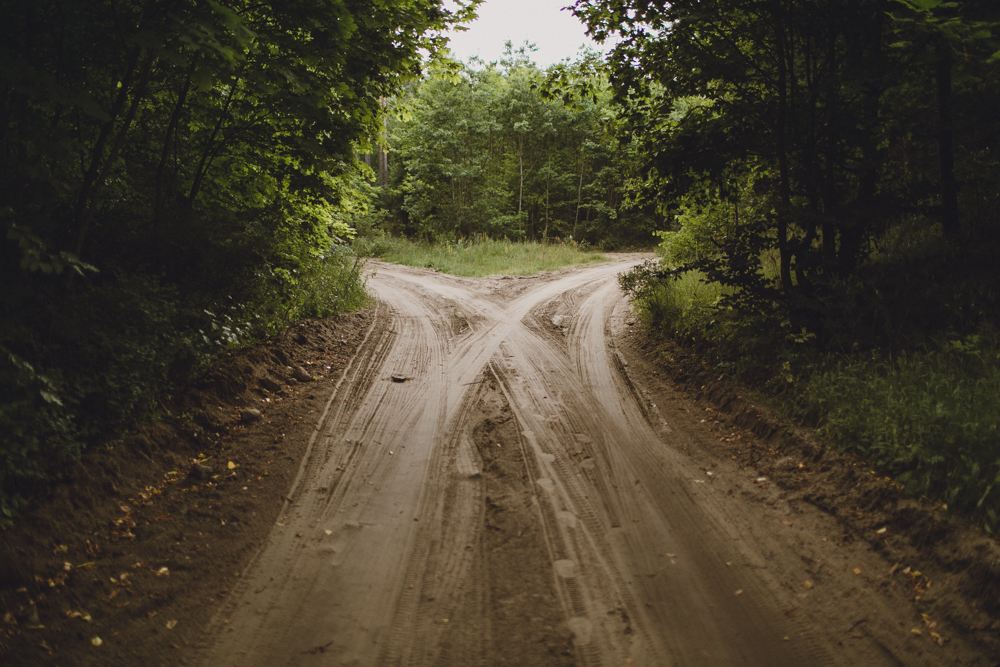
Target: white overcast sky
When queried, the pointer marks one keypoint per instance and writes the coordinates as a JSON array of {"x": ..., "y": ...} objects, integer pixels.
[{"x": 556, "y": 32}]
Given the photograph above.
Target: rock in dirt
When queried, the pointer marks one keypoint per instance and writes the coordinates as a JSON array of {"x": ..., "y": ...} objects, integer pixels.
[
  {"x": 399, "y": 377},
  {"x": 302, "y": 375},
  {"x": 786, "y": 463},
  {"x": 200, "y": 472},
  {"x": 270, "y": 384},
  {"x": 250, "y": 415}
]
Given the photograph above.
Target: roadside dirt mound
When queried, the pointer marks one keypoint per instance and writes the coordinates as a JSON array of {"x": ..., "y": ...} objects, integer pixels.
[
  {"x": 951, "y": 567},
  {"x": 132, "y": 551}
]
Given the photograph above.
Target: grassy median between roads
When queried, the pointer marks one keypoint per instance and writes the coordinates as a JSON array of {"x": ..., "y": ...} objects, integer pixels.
[{"x": 475, "y": 259}]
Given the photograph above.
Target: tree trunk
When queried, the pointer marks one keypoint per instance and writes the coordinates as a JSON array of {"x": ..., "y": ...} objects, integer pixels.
[
  {"x": 579, "y": 197},
  {"x": 159, "y": 202},
  {"x": 946, "y": 149},
  {"x": 548, "y": 177},
  {"x": 207, "y": 155},
  {"x": 784, "y": 185},
  {"x": 101, "y": 179},
  {"x": 383, "y": 157}
]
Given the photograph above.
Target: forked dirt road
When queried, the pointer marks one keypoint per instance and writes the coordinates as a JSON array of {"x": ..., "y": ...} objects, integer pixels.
[{"x": 520, "y": 500}]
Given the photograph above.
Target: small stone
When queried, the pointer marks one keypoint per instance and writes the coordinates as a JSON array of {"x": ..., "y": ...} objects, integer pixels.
[
  {"x": 200, "y": 471},
  {"x": 250, "y": 415},
  {"x": 270, "y": 384},
  {"x": 399, "y": 377},
  {"x": 302, "y": 375},
  {"x": 786, "y": 463}
]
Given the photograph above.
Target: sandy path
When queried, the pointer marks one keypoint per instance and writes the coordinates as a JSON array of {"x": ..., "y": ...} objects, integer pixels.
[{"x": 381, "y": 556}]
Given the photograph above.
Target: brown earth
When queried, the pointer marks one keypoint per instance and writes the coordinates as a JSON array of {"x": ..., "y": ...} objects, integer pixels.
[{"x": 546, "y": 486}]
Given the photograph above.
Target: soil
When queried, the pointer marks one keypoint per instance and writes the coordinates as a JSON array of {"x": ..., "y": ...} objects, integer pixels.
[{"x": 497, "y": 471}]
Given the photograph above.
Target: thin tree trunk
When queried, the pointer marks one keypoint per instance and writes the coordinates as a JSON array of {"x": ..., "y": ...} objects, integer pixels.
[
  {"x": 548, "y": 177},
  {"x": 101, "y": 180},
  {"x": 206, "y": 156},
  {"x": 520, "y": 187},
  {"x": 579, "y": 197},
  {"x": 383, "y": 157},
  {"x": 167, "y": 139},
  {"x": 946, "y": 150},
  {"x": 784, "y": 187},
  {"x": 98, "y": 153}
]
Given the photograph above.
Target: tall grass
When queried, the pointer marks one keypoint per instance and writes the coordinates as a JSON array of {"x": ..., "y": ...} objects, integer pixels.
[
  {"x": 682, "y": 307},
  {"x": 476, "y": 259}
]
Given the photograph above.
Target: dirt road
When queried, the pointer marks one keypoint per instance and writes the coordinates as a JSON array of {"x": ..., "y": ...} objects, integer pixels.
[{"x": 519, "y": 498}]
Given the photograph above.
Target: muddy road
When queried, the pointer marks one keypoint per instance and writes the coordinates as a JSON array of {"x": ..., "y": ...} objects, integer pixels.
[{"x": 493, "y": 483}]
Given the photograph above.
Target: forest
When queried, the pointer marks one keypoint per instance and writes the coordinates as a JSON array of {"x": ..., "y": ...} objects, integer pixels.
[{"x": 821, "y": 179}]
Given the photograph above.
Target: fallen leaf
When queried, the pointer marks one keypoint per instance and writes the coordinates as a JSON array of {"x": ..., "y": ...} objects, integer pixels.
[
  {"x": 171, "y": 624},
  {"x": 738, "y": 593},
  {"x": 916, "y": 632},
  {"x": 856, "y": 571},
  {"x": 881, "y": 531},
  {"x": 787, "y": 523}
]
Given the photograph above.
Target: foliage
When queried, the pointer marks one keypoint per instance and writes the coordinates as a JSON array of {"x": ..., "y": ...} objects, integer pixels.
[
  {"x": 176, "y": 177},
  {"x": 488, "y": 257},
  {"x": 809, "y": 129},
  {"x": 490, "y": 148}
]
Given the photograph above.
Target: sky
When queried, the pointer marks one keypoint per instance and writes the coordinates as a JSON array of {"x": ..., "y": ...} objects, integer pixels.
[{"x": 557, "y": 34}]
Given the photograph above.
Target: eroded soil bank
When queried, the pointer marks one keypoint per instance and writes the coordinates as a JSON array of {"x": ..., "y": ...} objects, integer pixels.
[{"x": 546, "y": 486}]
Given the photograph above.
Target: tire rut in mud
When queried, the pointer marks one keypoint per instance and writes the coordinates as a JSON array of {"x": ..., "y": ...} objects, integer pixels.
[{"x": 488, "y": 600}]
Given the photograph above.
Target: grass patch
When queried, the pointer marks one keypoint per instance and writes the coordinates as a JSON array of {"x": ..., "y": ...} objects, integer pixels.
[
  {"x": 475, "y": 259},
  {"x": 929, "y": 417}
]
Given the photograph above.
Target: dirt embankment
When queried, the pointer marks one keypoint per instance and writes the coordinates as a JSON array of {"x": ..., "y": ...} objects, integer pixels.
[
  {"x": 125, "y": 561},
  {"x": 948, "y": 567}
]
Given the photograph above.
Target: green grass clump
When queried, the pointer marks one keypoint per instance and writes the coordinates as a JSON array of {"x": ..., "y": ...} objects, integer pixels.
[
  {"x": 475, "y": 259},
  {"x": 929, "y": 417},
  {"x": 681, "y": 307}
]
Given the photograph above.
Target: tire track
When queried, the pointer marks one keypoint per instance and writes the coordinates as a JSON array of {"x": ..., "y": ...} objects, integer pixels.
[{"x": 377, "y": 559}]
